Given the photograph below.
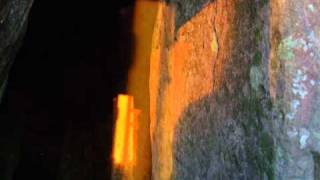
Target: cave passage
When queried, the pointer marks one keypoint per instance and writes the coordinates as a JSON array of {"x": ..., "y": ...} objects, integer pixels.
[{"x": 59, "y": 100}]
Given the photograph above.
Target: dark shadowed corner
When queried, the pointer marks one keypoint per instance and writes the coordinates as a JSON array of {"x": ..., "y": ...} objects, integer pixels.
[{"x": 58, "y": 103}]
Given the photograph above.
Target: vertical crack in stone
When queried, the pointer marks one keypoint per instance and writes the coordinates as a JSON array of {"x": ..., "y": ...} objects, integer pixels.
[{"x": 316, "y": 159}]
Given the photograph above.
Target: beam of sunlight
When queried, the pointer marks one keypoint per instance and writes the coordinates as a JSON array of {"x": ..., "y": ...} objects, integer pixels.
[
  {"x": 132, "y": 136},
  {"x": 125, "y": 138},
  {"x": 123, "y": 106},
  {"x": 132, "y": 155}
]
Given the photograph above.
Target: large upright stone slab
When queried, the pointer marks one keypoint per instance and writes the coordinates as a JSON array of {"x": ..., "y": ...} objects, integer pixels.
[
  {"x": 210, "y": 106},
  {"x": 234, "y": 90}
]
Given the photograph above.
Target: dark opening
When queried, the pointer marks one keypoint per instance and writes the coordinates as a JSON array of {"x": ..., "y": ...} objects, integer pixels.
[{"x": 73, "y": 61}]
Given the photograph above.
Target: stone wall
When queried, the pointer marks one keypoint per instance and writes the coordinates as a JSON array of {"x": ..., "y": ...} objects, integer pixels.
[
  {"x": 13, "y": 21},
  {"x": 234, "y": 90},
  {"x": 294, "y": 86}
]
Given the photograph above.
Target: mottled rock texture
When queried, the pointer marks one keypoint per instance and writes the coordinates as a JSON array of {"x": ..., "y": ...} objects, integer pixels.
[
  {"x": 13, "y": 21},
  {"x": 294, "y": 86},
  {"x": 227, "y": 83}
]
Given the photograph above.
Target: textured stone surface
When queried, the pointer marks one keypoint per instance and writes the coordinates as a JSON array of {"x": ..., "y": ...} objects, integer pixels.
[
  {"x": 13, "y": 20},
  {"x": 209, "y": 104},
  {"x": 294, "y": 85},
  {"x": 234, "y": 90}
]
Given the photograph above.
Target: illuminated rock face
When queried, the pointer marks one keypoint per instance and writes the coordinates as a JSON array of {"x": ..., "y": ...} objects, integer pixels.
[
  {"x": 13, "y": 20},
  {"x": 234, "y": 90}
]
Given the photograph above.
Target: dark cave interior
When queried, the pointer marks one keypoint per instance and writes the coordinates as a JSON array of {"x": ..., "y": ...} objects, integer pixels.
[{"x": 57, "y": 109}]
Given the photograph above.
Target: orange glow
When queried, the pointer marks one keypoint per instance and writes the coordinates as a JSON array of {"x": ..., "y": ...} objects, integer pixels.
[
  {"x": 145, "y": 12},
  {"x": 132, "y": 155},
  {"x": 124, "y": 147},
  {"x": 131, "y": 141},
  {"x": 118, "y": 147},
  {"x": 185, "y": 67},
  {"x": 132, "y": 136}
]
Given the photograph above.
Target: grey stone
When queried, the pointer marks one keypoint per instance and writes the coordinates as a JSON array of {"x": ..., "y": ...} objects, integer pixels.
[{"x": 13, "y": 22}]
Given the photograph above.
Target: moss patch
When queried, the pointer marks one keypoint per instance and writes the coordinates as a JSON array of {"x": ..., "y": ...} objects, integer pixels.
[
  {"x": 285, "y": 48},
  {"x": 257, "y": 59}
]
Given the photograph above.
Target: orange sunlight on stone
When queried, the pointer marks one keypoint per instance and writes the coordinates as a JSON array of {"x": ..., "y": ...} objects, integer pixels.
[{"x": 126, "y": 123}]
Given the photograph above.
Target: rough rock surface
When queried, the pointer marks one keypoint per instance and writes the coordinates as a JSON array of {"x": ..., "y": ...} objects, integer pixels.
[
  {"x": 234, "y": 90},
  {"x": 13, "y": 21},
  {"x": 294, "y": 86}
]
